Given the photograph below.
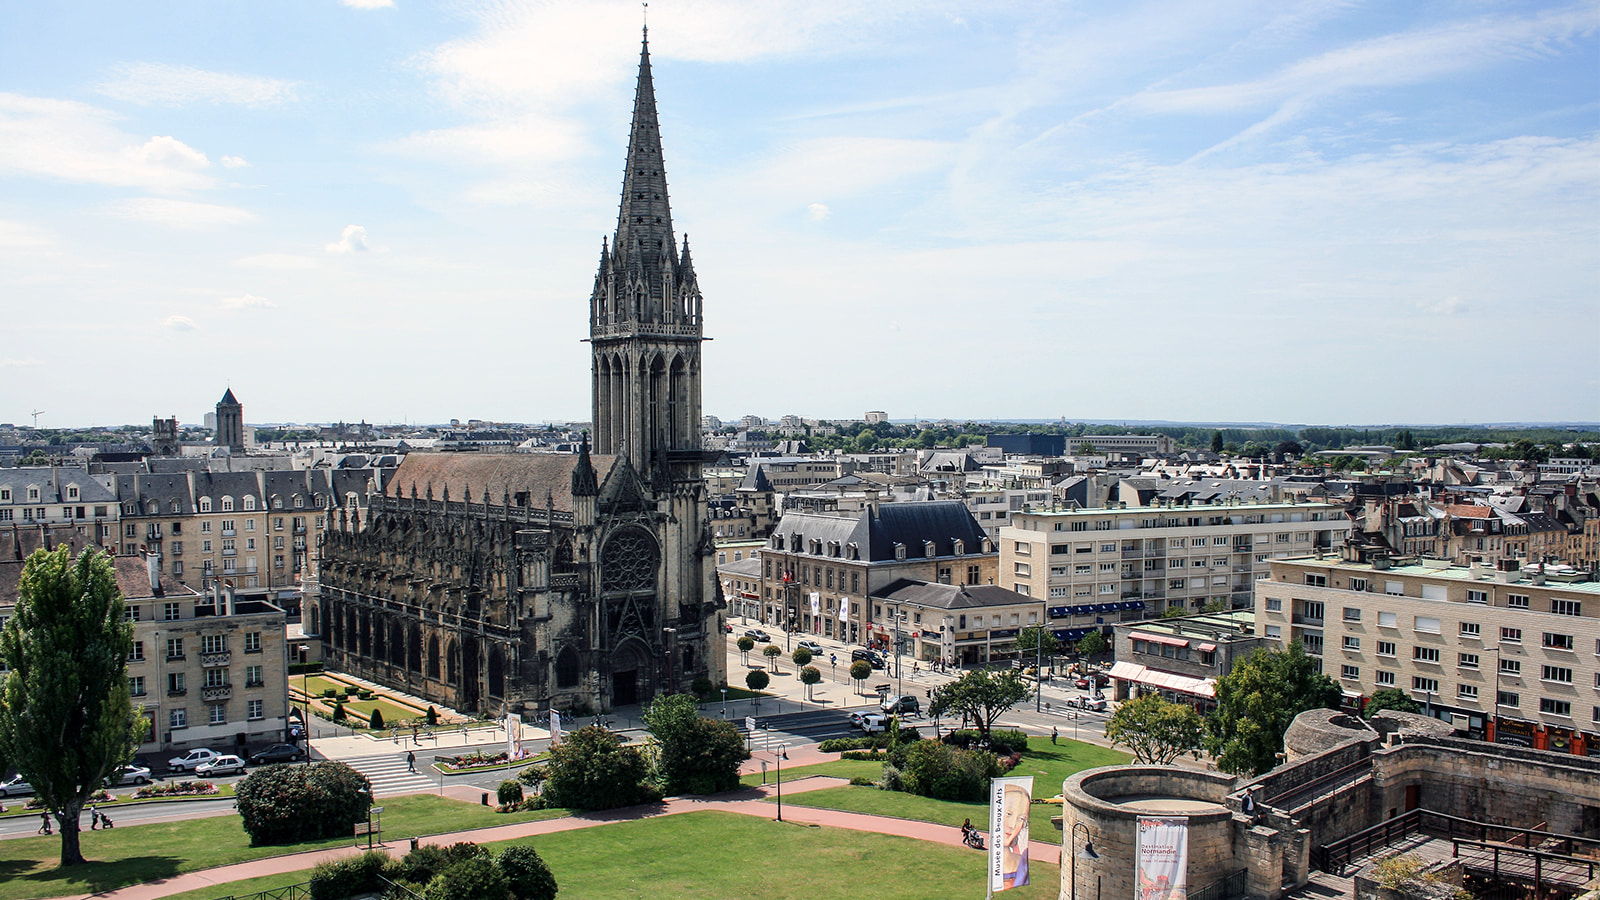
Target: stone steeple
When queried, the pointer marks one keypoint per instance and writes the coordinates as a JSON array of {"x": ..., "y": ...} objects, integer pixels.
[
  {"x": 230, "y": 423},
  {"x": 645, "y": 311}
]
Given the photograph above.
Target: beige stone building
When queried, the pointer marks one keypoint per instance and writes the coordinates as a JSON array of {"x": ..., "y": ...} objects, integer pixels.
[
  {"x": 1102, "y": 566},
  {"x": 1505, "y": 654}
]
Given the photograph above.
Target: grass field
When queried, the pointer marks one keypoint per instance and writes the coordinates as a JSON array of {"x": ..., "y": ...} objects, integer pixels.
[
  {"x": 1049, "y": 766},
  {"x": 140, "y": 853},
  {"x": 726, "y": 856}
]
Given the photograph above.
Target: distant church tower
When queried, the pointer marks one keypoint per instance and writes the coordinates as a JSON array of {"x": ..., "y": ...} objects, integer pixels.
[
  {"x": 164, "y": 439},
  {"x": 230, "y": 423},
  {"x": 645, "y": 318}
]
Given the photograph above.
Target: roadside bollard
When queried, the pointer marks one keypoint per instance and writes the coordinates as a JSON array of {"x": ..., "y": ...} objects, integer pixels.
[
  {"x": 413, "y": 845},
  {"x": 483, "y": 799}
]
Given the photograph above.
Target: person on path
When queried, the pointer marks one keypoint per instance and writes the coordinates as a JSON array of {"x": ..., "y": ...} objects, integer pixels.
[
  {"x": 414, "y": 740},
  {"x": 1053, "y": 735},
  {"x": 411, "y": 761},
  {"x": 45, "y": 828},
  {"x": 94, "y": 817}
]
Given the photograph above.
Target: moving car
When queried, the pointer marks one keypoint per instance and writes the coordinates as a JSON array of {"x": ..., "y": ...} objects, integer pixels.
[
  {"x": 871, "y": 723},
  {"x": 133, "y": 774},
  {"x": 757, "y": 635},
  {"x": 277, "y": 753},
  {"x": 1093, "y": 704},
  {"x": 813, "y": 646},
  {"x": 15, "y": 787},
  {"x": 871, "y": 656},
  {"x": 191, "y": 760},
  {"x": 222, "y": 765},
  {"x": 904, "y": 703}
]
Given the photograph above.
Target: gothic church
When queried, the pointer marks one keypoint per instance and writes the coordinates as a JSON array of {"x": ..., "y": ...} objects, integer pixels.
[{"x": 522, "y": 582}]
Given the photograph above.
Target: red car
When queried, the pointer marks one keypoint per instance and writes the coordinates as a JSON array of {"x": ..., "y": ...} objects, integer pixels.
[{"x": 1100, "y": 679}]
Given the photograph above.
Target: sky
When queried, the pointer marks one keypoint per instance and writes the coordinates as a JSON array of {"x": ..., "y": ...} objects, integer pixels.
[{"x": 392, "y": 211}]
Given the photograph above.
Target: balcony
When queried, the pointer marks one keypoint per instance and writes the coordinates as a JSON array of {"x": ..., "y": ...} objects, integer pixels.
[
  {"x": 153, "y": 534},
  {"x": 217, "y": 692},
  {"x": 177, "y": 692},
  {"x": 299, "y": 529},
  {"x": 229, "y": 551},
  {"x": 1132, "y": 554},
  {"x": 1303, "y": 619},
  {"x": 212, "y": 660},
  {"x": 229, "y": 532}
]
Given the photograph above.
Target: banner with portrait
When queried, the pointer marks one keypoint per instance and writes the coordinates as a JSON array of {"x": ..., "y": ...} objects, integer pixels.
[
  {"x": 513, "y": 736},
  {"x": 816, "y": 604},
  {"x": 1162, "y": 858},
  {"x": 555, "y": 728},
  {"x": 1009, "y": 801}
]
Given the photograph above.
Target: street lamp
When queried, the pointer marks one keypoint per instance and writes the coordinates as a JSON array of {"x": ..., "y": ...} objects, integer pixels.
[
  {"x": 782, "y": 755},
  {"x": 1087, "y": 853},
  {"x": 724, "y": 703}
]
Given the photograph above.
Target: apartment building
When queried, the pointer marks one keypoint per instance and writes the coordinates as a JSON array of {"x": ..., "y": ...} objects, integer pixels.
[
  {"x": 1100, "y": 566},
  {"x": 1506, "y": 654},
  {"x": 1146, "y": 444},
  {"x": 1181, "y": 658},
  {"x": 960, "y": 624},
  {"x": 59, "y": 495}
]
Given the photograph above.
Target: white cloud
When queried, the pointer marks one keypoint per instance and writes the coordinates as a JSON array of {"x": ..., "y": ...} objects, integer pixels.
[
  {"x": 21, "y": 236},
  {"x": 179, "y": 323},
  {"x": 368, "y": 4},
  {"x": 1448, "y": 306},
  {"x": 154, "y": 84},
  {"x": 77, "y": 142},
  {"x": 817, "y": 212},
  {"x": 180, "y": 213},
  {"x": 9, "y": 363},
  {"x": 234, "y": 162},
  {"x": 352, "y": 240},
  {"x": 276, "y": 261},
  {"x": 247, "y": 301}
]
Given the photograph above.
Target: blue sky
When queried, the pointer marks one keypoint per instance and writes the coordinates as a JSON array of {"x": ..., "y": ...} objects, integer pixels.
[{"x": 1292, "y": 211}]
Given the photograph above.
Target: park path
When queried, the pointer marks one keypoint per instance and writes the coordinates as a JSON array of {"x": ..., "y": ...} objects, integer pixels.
[{"x": 749, "y": 801}]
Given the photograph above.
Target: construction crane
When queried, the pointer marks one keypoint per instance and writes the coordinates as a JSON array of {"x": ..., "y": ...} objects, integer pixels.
[{"x": 36, "y": 414}]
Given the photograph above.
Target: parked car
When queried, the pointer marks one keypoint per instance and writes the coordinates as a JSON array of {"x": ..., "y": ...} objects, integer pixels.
[
  {"x": 871, "y": 656},
  {"x": 133, "y": 774},
  {"x": 871, "y": 723},
  {"x": 15, "y": 787},
  {"x": 905, "y": 703},
  {"x": 1096, "y": 703},
  {"x": 222, "y": 765},
  {"x": 1096, "y": 679},
  {"x": 759, "y": 636},
  {"x": 190, "y": 761},
  {"x": 813, "y": 646},
  {"x": 277, "y": 753}
]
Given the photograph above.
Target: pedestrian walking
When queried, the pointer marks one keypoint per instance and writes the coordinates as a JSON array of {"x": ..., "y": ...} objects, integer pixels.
[
  {"x": 414, "y": 740},
  {"x": 94, "y": 817},
  {"x": 411, "y": 759},
  {"x": 1053, "y": 735},
  {"x": 44, "y": 829}
]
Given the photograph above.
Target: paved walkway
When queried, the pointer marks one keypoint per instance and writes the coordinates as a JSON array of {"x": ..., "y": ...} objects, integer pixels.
[{"x": 749, "y": 801}]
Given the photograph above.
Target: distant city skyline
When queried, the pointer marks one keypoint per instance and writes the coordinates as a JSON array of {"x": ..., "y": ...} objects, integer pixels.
[{"x": 1253, "y": 211}]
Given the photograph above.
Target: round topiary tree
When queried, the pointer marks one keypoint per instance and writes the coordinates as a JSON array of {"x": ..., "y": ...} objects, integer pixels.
[
  {"x": 526, "y": 873},
  {"x": 860, "y": 671},
  {"x": 376, "y": 720},
  {"x": 282, "y": 804},
  {"x": 745, "y": 645},
  {"x": 509, "y": 792},
  {"x": 757, "y": 679},
  {"x": 772, "y": 653},
  {"x": 801, "y": 657},
  {"x": 809, "y": 676}
]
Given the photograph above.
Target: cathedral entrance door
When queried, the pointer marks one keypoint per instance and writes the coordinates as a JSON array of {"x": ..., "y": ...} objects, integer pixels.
[
  {"x": 469, "y": 674},
  {"x": 625, "y": 688}
]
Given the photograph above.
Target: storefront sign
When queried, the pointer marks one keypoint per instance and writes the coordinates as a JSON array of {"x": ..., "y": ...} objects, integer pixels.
[{"x": 1515, "y": 732}]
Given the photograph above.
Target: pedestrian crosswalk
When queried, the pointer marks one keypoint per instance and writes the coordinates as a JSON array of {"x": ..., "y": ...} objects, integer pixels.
[{"x": 389, "y": 776}]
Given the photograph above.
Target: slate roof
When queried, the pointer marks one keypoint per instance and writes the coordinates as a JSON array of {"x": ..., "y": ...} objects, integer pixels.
[
  {"x": 949, "y": 596},
  {"x": 52, "y": 482},
  {"x": 532, "y": 474},
  {"x": 17, "y": 543},
  {"x": 875, "y": 533},
  {"x": 755, "y": 479}
]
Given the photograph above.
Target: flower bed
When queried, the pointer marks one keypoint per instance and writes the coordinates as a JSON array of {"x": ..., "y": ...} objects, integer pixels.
[
  {"x": 177, "y": 789},
  {"x": 474, "y": 761}
]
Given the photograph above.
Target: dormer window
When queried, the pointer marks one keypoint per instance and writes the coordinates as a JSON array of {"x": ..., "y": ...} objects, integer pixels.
[
  {"x": 277, "y": 502},
  {"x": 72, "y": 492},
  {"x": 249, "y": 503},
  {"x": 205, "y": 504},
  {"x": 958, "y": 547},
  {"x": 988, "y": 545},
  {"x": 227, "y": 504},
  {"x": 173, "y": 507},
  {"x": 33, "y": 493},
  {"x": 129, "y": 509},
  {"x": 853, "y": 550},
  {"x": 5, "y": 494},
  {"x": 299, "y": 502},
  {"x": 929, "y": 549},
  {"x": 899, "y": 551},
  {"x": 153, "y": 507}
]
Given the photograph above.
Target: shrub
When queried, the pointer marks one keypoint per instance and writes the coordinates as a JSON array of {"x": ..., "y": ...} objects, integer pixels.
[
  {"x": 702, "y": 687},
  {"x": 836, "y": 745},
  {"x": 351, "y": 689},
  {"x": 865, "y": 755},
  {"x": 176, "y": 789},
  {"x": 526, "y": 874},
  {"x": 338, "y": 711},
  {"x": 938, "y": 770},
  {"x": 474, "y": 878},
  {"x": 592, "y": 769},
  {"x": 432, "y": 717},
  {"x": 330, "y": 693},
  {"x": 1010, "y": 740},
  {"x": 509, "y": 792},
  {"x": 863, "y": 781},
  {"x": 532, "y": 776},
  {"x": 892, "y": 780},
  {"x": 421, "y": 865},
  {"x": 286, "y": 804},
  {"x": 349, "y": 877},
  {"x": 376, "y": 722}
]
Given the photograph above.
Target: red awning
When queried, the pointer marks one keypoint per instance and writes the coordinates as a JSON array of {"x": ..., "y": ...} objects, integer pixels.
[
  {"x": 1160, "y": 639},
  {"x": 1206, "y": 648}
]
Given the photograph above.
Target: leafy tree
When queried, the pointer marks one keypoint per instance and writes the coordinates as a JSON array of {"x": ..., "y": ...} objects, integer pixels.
[
  {"x": 757, "y": 680},
  {"x": 1257, "y": 701},
  {"x": 1175, "y": 610},
  {"x": 66, "y": 718},
  {"x": 936, "y": 769},
  {"x": 1092, "y": 644},
  {"x": 526, "y": 873},
  {"x": 860, "y": 671},
  {"x": 981, "y": 696},
  {"x": 1286, "y": 448},
  {"x": 745, "y": 644},
  {"x": 592, "y": 769},
  {"x": 801, "y": 657},
  {"x": 1216, "y": 442},
  {"x": 509, "y": 792},
  {"x": 1391, "y": 698},
  {"x": 771, "y": 652},
  {"x": 1037, "y": 640},
  {"x": 283, "y": 804},
  {"x": 695, "y": 755},
  {"x": 474, "y": 878},
  {"x": 809, "y": 676},
  {"x": 1086, "y": 449},
  {"x": 421, "y": 865},
  {"x": 1154, "y": 730}
]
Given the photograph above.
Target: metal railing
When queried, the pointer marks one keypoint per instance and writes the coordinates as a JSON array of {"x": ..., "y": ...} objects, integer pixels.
[
  {"x": 1224, "y": 888},
  {"x": 1483, "y": 839},
  {"x": 301, "y": 891}
]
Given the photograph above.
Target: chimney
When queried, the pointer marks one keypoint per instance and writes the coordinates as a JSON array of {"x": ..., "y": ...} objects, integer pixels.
[{"x": 152, "y": 564}]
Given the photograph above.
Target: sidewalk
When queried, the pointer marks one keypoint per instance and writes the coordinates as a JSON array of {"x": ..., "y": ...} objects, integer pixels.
[{"x": 749, "y": 801}]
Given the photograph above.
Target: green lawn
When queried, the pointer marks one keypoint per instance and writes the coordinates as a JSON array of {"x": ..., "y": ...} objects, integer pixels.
[
  {"x": 840, "y": 768},
  {"x": 1049, "y": 765},
  {"x": 140, "y": 853}
]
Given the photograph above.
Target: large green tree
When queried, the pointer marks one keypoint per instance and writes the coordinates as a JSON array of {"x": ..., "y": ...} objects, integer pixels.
[
  {"x": 981, "y": 695},
  {"x": 1091, "y": 644},
  {"x": 1257, "y": 701},
  {"x": 694, "y": 754},
  {"x": 593, "y": 769},
  {"x": 1156, "y": 731},
  {"x": 1391, "y": 698},
  {"x": 66, "y": 718},
  {"x": 1036, "y": 640}
]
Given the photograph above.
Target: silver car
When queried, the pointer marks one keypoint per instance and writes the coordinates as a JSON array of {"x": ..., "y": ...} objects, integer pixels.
[
  {"x": 222, "y": 765},
  {"x": 15, "y": 787}
]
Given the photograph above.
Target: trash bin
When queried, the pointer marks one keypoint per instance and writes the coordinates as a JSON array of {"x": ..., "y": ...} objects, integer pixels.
[
  {"x": 483, "y": 799},
  {"x": 413, "y": 844}
]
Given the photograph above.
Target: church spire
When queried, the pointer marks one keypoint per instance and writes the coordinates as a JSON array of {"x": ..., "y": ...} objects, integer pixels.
[{"x": 644, "y": 218}]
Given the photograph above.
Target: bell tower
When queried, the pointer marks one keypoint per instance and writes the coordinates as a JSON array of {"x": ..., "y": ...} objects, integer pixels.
[{"x": 645, "y": 318}]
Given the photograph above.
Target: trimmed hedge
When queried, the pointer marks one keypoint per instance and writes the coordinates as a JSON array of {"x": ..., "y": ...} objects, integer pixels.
[
  {"x": 283, "y": 804},
  {"x": 1009, "y": 739}
]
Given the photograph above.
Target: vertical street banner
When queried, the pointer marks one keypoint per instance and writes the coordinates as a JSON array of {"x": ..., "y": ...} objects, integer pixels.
[
  {"x": 1009, "y": 799},
  {"x": 513, "y": 736},
  {"x": 816, "y": 604},
  {"x": 1162, "y": 867},
  {"x": 555, "y": 728}
]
